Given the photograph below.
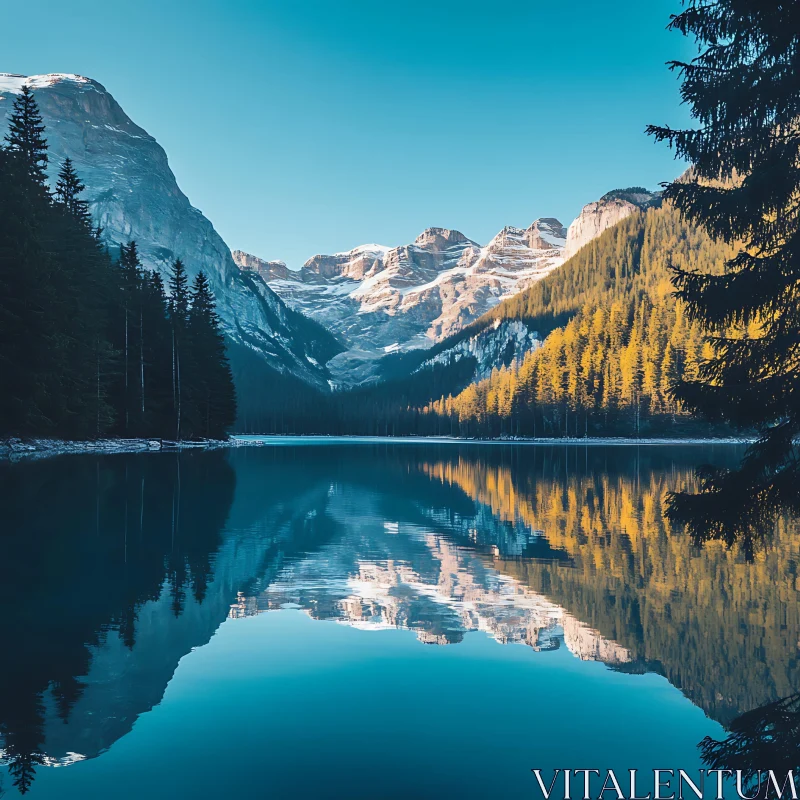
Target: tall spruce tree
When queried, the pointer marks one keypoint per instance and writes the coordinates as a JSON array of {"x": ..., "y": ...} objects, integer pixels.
[
  {"x": 178, "y": 314},
  {"x": 743, "y": 91},
  {"x": 131, "y": 284},
  {"x": 25, "y": 136},
  {"x": 68, "y": 192},
  {"x": 27, "y": 333},
  {"x": 156, "y": 361},
  {"x": 213, "y": 398},
  {"x": 55, "y": 280}
]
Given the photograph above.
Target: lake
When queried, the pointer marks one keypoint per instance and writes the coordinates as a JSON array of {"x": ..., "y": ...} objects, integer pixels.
[{"x": 334, "y": 619}]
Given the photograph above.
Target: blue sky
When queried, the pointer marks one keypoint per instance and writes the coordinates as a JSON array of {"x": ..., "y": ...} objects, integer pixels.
[{"x": 307, "y": 126}]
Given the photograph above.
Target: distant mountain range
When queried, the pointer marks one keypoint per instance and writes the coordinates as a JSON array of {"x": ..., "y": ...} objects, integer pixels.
[
  {"x": 380, "y": 300},
  {"x": 339, "y": 321}
]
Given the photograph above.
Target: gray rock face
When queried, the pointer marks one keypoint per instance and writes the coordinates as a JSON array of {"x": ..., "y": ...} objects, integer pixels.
[
  {"x": 546, "y": 234},
  {"x": 595, "y": 218},
  {"x": 268, "y": 270},
  {"x": 379, "y": 300},
  {"x": 133, "y": 194}
]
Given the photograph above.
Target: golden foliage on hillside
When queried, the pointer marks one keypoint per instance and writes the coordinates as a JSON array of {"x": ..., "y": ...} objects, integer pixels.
[{"x": 625, "y": 340}]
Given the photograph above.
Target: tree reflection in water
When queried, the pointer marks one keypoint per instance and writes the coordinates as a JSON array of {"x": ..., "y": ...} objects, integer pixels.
[
  {"x": 83, "y": 548},
  {"x": 737, "y": 506},
  {"x": 89, "y": 541},
  {"x": 686, "y": 612},
  {"x": 766, "y": 738},
  {"x": 745, "y": 508}
]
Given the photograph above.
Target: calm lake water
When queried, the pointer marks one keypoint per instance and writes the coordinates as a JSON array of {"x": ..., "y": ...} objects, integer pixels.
[{"x": 371, "y": 620}]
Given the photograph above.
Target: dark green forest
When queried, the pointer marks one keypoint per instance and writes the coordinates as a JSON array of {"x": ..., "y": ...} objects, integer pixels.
[{"x": 95, "y": 345}]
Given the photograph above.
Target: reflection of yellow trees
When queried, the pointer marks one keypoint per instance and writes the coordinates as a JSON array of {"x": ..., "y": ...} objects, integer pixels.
[{"x": 723, "y": 630}]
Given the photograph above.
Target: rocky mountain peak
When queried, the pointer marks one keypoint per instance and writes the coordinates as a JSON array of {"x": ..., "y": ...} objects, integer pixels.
[
  {"x": 268, "y": 270},
  {"x": 597, "y": 217},
  {"x": 441, "y": 238},
  {"x": 509, "y": 235},
  {"x": 133, "y": 194},
  {"x": 546, "y": 233},
  {"x": 378, "y": 300},
  {"x": 355, "y": 264}
]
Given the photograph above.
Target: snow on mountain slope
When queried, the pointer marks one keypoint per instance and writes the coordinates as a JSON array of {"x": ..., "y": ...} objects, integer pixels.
[
  {"x": 497, "y": 346},
  {"x": 133, "y": 194},
  {"x": 378, "y": 299},
  {"x": 494, "y": 343}
]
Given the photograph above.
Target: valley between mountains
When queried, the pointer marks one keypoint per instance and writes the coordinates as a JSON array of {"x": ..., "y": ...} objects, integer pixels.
[{"x": 388, "y": 338}]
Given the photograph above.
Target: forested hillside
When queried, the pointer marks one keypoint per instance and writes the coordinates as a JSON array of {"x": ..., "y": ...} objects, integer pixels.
[
  {"x": 89, "y": 344},
  {"x": 617, "y": 340},
  {"x": 95, "y": 344}
]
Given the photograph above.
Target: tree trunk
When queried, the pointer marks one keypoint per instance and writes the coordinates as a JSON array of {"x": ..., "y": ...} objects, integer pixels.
[
  {"x": 97, "y": 398},
  {"x": 178, "y": 373},
  {"x": 126, "y": 367},
  {"x": 141, "y": 356}
]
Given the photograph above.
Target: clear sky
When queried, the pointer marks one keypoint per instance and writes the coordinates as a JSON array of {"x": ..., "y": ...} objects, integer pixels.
[{"x": 308, "y": 126}]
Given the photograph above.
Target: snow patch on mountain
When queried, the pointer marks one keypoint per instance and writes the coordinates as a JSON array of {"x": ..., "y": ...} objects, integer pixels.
[
  {"x": 379, "y": 299},
  {"x": 11, "y": 82},
  {"x": 499, "y": 345}
]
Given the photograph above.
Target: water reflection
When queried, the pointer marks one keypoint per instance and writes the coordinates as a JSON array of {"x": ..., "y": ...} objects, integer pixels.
[
  {"x": 724, "y": 631},
  {"x": 396, "y": 574},
  {"x": 765, "y": 738},
  {"x": 117, "y": 567},
  {"x": 98, "y": 554}
]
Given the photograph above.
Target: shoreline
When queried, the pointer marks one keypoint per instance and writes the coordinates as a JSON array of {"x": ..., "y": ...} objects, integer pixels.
[
  {"x": 251, "y": 439},
  {"x": 16, "y": 449}
]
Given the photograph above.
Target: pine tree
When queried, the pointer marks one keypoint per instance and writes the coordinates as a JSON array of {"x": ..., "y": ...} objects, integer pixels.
[
  {"x": 131, "y": 283},
  {"x": 155, "y": 357},
  {"x": 178, "y": 314},
  {"x": 25, "y": 136},
  {"x": 68, "y": 190},
  {"x": 55, "y": 284},
  {"x": 742, "y": 89},
  {"x": 213, "y": 397}
]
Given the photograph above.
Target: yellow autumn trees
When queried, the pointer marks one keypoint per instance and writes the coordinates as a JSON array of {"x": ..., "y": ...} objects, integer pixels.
[{"x": 609, "y": 368}]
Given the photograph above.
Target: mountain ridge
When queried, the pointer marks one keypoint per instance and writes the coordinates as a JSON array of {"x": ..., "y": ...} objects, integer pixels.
[
  {"x": 377, "y": 299},
  {"x": 133, "y": 194}
]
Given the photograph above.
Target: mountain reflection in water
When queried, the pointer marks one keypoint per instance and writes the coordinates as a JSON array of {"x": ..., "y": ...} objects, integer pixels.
[{"x": 115, "y": 567}]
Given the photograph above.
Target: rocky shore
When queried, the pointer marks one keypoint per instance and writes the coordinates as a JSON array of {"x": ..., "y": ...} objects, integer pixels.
[{"x": 16, "y": 449}]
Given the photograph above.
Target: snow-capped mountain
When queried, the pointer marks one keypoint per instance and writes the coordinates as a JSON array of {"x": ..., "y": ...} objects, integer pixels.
[
  {"x": 496, "y": 343},
  {"x": 133, "y": 194},
  {"x": 380, "y": 300}
]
